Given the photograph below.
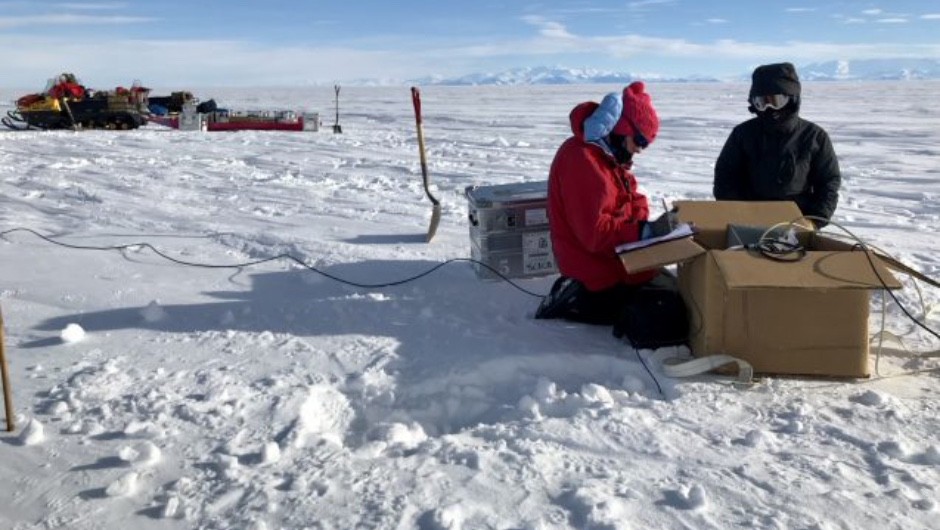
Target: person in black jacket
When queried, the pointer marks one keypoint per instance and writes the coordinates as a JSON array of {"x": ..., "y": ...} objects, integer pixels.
[{"x": 778, "y": 155}]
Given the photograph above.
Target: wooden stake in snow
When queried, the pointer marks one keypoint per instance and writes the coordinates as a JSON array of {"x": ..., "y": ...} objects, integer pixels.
[
  {"x": 7, "y": 397},
  {"x": 336, "y": 126}
]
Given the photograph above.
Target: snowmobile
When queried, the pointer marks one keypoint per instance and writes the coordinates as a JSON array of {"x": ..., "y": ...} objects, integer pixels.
[{"x": 67, "y": 104}]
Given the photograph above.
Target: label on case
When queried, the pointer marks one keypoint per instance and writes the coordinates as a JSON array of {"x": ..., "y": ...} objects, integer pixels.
[
  {"x": 537, "y": 253},
  {"x": 536, "y": 216}
]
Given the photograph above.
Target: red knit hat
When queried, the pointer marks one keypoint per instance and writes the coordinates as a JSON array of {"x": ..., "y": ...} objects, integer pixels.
[{"x": 638, "y": 110}]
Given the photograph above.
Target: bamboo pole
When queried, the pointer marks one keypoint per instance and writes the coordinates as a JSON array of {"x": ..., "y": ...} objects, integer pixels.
[{"x": 7, "y": 397}]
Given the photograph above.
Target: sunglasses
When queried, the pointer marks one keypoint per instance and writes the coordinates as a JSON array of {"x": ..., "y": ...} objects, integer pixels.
[
  {"x": 639, "y": 139},
  {"x": 773, "y": 101}
]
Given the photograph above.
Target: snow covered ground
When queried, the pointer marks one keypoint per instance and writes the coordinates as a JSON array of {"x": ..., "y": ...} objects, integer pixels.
[{"x": 150, "y": 394}]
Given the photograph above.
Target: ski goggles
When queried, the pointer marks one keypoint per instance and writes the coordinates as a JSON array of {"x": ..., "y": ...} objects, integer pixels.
[
  {"x": 772, "y": 101},
  {"x": 639, "y": 138}
]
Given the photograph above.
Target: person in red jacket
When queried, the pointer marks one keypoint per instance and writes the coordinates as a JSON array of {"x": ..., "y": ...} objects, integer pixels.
[
  {"x": 594, "y": 205},
  {"x": 67, "y": 85}
]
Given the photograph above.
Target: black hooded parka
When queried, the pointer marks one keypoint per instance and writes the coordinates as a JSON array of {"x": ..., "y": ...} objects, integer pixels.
[{"x": 777, "y": 155}]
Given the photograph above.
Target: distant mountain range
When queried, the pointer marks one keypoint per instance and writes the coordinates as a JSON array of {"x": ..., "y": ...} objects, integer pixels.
[
  {"x": 544, "y": 75},
  {"x": 872, "y": 70},
  {"x": 860, "y": 70}
]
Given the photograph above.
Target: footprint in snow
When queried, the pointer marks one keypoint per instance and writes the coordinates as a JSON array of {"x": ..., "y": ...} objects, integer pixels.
[
  {"x": 869, "y": 398},
  {"x": 897, "y": 450},
  {"x": 124, "y": 486},
  {"x": 691, "y": 498},
  {"x": 753, "y": 438},
  {"x": 443, "y": 518},
  {"x": 144, "y": 454}
]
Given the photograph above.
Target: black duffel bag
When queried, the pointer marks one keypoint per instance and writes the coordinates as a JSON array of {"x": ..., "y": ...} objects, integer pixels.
[
  {"x": 651, "y": 315},
  {"x": 655, "y": 316}
]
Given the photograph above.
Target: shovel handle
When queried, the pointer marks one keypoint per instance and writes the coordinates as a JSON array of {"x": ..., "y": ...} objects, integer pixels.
[
  {"x": 7, "y": 392},
  {"x": 436, "y": 211},
  {"x": 416, "y": 99}
]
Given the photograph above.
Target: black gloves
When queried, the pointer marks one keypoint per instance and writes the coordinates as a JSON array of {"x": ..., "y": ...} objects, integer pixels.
[{"x": 663, "y": 224}]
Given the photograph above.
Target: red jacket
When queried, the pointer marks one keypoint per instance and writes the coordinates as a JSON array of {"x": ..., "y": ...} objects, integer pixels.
[
  {"x": 67, "y": 88},
  {"x": 593, "y": 206}
]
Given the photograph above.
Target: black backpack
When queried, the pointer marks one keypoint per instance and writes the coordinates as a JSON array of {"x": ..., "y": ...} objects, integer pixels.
[
  {"x": 654, "y": 317},
  {"x": 649, "y": 316}
]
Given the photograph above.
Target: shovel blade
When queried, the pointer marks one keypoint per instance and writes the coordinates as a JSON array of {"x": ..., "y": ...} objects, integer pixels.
[{"x": 435, "y": 221}]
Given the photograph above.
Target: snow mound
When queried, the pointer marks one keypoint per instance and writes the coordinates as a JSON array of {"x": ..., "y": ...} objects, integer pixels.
[{"x": 72, "y": 333}]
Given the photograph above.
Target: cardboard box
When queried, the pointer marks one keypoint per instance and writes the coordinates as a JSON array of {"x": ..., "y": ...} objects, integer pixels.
[{"x": 803, "y": 317}]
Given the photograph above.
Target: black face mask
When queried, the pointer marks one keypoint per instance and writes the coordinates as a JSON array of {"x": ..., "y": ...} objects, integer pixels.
[
  {"x": 778, "y": 120},
  {"x": 770, "y": 116},
  {"x": 617, "y": 146}
]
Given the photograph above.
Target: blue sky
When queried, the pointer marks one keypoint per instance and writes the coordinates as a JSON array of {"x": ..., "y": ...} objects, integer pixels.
[{"x": 291, "y": 42}]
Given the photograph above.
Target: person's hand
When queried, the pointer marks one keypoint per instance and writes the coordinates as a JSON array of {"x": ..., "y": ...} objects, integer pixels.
[{"x": 663, "y": 224}]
